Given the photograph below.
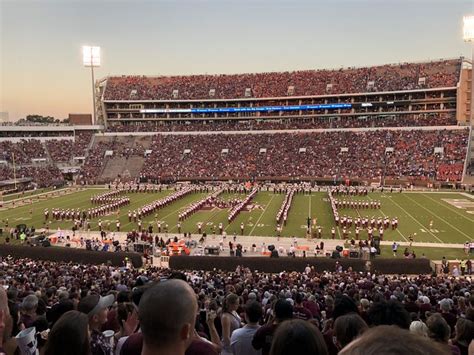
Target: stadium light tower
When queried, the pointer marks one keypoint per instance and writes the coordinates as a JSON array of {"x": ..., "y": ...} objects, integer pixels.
[
  {"x": 91, "y": 58},
  {"x": 468, "y": 36}
]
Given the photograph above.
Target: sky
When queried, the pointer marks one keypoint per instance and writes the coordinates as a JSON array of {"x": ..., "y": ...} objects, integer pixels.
[{"x": 41, "y": 69}]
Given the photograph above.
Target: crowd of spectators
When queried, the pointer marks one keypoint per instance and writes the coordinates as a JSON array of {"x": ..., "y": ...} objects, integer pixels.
[
  {"x": 443, "y": 73},
  {"x": 278, "y": 154},
  {"x": 64, "y": 150},
  {"x": 22, "y": 151},
  {"x": 96, "y": 160},
  {"x": 44, "y": 132},
  {"x": 241, "y": 312},
  {"x": 42, "y": 176},
  {"x": 121, "y": 147},
  {"x": 403, "y": 120}
]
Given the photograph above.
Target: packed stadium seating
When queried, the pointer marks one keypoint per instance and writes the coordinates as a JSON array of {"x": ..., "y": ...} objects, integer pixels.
[
  {"x": 63, "y": 150},
  {"x": 413, "y": 154},
  {"x": 44, "y": 291},
  {"x": 405, "y": 76},
  {"x": 404, "y": 120},
  {"x": 23, "y": 151}
]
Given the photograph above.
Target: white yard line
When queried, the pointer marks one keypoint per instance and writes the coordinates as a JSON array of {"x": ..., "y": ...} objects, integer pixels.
[
  {"x": 264, "y": 210},
  {"x": 406, "y": 212},
  {"x": 309, "y": 207},
  {"x": 386, "y": 216},
  {"x": 449, "y": 208},
  {"x": 442, "y": 219}
]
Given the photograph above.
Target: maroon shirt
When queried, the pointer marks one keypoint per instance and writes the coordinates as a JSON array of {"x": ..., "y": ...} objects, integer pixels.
[
  {"x": 199, "y": 347},
  {"x": 263, "y": 338},
  {"x": 300, "y": 312}
]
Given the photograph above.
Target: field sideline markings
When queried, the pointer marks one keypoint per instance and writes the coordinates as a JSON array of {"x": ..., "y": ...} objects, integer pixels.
[
  {"x": 66, "y": 204},
  {"x": 408, "y": 214},
  {"x": 448, "y": 207},
  {"x": 386, "y": 216},
  {"x": 440, "y": 218},
  {"x": 261, "y": 215}
]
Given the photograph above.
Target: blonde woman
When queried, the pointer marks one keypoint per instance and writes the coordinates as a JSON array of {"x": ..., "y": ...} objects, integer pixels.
[{"x": 230, "y": 321}]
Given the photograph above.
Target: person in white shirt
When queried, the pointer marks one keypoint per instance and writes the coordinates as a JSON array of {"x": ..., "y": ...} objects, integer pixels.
[{"x": 241, "y": 339}]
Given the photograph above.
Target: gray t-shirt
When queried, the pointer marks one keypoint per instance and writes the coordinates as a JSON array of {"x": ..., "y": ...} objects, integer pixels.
[{"x": 241, "y": 341}]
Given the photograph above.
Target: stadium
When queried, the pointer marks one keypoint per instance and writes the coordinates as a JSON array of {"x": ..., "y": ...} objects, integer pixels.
[{"x": 308, "y": 211}]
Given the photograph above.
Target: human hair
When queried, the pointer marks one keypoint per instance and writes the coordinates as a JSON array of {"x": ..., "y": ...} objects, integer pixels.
[
  {"x": 164, "y": 310},
  {"x": 464, "y": 330},
  {"x": 124, "y": 296},
  {"x": 30, "y": 303},
  {"x": 298, "y": 337},
  {"x": 231, "y": 299},
  {"x": 470, "y": 314},
  {"x": 283, "y": 310},
  {"x": 344, "y": 305},
  {"x": 389, "y": 340},
  {"x": 389, "y": 313},
  {"x": 70, "y": 335},
  {"x": 438, "y": 328},
  {"x": 348, "y": 327},
  {"x": 418, "y": 327},
  {"x": 253, "y": 310},
  {"x": 299, "y": 298},
  {"x": 123, "y": 310}
]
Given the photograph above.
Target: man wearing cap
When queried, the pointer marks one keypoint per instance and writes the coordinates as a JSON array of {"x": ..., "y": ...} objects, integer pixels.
[{"x": 96, "y": 308}]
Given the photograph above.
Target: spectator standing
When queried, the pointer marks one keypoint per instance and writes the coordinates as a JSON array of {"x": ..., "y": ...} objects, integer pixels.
[{"x": 241, "y": 339}]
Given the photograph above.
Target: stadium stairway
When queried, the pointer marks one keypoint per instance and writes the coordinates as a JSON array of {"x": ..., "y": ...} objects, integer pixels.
[
  {"x": 126, "y": 168},
  {"x": 48, "y": 155}
]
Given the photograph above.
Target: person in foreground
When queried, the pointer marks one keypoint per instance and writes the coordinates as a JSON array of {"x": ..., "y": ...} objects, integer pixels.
[
  {"x": 167, "y": 314},
  {"x": 298, "y": 337},
  {"x": 392, "y": 340},
  {"x": 70, "y": 335}
]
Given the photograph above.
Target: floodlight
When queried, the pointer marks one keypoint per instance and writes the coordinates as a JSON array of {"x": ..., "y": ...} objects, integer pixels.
[
  {"x": 91, "y": 56},
  {"x": 91, "y": 59},
  {"x": 468, "y": 28}
]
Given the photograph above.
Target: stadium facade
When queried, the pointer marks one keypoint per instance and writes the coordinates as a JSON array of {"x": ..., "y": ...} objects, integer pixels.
[{"x": 408, "y": 123}]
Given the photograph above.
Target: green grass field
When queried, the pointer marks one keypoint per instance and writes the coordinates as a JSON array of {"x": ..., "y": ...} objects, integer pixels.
[
  {"x": 452, "y": 214},
  {"x": 26, "y": 194}
]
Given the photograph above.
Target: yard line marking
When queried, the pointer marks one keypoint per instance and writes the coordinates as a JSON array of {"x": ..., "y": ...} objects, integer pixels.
[
  {"x": 409, "y": 215},
  {"x": 264, "y": 210},
  {"x": 386, "y": 216},
  {"x": 227, "y": 219},
  {"x": 309, "y": 207},
  {"x": 448, "y": 207},
  {"x": 213, "y": 214},
  {"x": 442, "y": 219}
]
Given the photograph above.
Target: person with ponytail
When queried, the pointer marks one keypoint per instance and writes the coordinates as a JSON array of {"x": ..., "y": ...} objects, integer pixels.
[{"x": 230, "y": 321}]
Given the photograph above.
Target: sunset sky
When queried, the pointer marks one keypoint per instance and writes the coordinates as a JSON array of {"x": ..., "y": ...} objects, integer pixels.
[{"x": 40, "y": 41}]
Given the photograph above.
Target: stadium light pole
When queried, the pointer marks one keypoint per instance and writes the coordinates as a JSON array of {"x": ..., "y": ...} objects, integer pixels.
[
  {"x": 468, "y": 36},
  {"x": 91, "y": 58}
]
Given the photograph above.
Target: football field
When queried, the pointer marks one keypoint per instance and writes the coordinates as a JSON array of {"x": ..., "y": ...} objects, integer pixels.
[{"x": 452, "y": 214}]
